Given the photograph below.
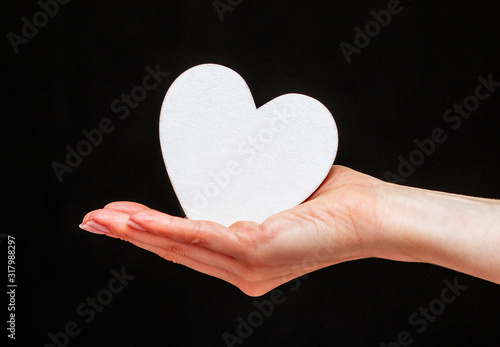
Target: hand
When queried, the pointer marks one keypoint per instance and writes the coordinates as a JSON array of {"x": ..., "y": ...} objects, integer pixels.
[{"x": 337, "y": 223}]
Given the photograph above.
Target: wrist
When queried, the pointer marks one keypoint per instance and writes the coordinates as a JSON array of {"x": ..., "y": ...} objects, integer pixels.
[
  {"x": 382, "y": 224},
  {"x": 453, "y": 231},
  {"x": 402, "y": 215}
]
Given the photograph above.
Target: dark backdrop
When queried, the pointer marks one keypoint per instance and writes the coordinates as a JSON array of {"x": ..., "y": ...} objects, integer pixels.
[{"x": 396, "y": 89}]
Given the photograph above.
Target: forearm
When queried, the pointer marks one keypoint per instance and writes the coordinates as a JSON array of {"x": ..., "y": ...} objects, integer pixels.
[{"x": 454, "y": 231}]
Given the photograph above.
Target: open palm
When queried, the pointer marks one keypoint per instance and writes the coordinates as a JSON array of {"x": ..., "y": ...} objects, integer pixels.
[{"x": 332, "y": 226}]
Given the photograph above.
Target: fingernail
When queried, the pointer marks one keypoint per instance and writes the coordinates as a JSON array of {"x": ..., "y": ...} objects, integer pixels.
[
  {"x": 135, "y": 226},
  {"x": 94, "y": 227},
  {"x": 90, "y": 229}
]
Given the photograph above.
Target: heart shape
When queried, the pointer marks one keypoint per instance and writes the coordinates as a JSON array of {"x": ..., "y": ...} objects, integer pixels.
[{"x": 229, "y": 161}]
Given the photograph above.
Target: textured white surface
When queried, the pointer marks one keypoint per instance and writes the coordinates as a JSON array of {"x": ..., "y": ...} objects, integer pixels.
[{"x": 229, "y": 161}]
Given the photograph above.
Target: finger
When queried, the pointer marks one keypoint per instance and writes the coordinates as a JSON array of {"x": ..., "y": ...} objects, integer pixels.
[
  {"x": 86, "y": 218},
  {"x": 91, "y": 227},
  {"x": 126, "y": 207},
  {"x": 206, "y": 234},
  {"x": 103, "y": 222},
  {"x": 115, "y": 222},
  {"x": 122, "y": 206}
]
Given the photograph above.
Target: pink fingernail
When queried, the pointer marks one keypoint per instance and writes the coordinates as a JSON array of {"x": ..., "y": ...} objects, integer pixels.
[
  {"x": 94, "y": 227},
  {"x": 88, "y": 228},
  {"x": 135, "y": 226}
]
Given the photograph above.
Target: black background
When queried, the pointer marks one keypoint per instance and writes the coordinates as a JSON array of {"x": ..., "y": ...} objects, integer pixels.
[{"x": 395, "y": 91}]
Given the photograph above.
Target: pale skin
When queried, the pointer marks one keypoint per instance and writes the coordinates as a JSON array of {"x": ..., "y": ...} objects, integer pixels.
[{"x": 350, "y": 216}]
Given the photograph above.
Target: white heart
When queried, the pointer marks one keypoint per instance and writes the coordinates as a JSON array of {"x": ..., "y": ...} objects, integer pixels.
[{"x": 228, "y": 161}]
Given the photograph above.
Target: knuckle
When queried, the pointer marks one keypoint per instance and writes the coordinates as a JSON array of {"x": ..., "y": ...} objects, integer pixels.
[
  {"x": 174, "y": 249},
  {"x": 173, "y": 253},
  {"x": 195, "y": 241},
  {"x": 171, "y": 257}
]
